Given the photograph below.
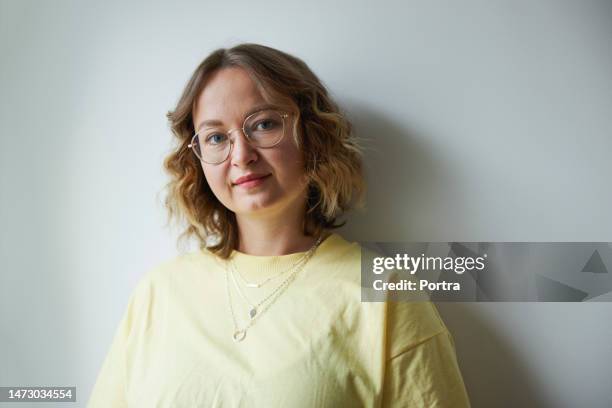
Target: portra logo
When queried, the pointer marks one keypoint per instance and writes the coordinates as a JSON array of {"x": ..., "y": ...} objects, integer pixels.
[{"x": 413, "y": 264}]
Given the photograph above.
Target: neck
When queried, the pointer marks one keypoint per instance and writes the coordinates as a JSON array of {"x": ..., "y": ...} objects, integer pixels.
[{"x": 272, "y": 237}]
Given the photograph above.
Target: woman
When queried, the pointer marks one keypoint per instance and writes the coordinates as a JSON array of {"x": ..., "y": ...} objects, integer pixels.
[{"x": 270, "y": 313}]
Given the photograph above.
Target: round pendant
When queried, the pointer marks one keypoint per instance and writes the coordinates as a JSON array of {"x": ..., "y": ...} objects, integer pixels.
[
  {"x": 239, "y": 335},
  {"x": 252, "y": 312}
]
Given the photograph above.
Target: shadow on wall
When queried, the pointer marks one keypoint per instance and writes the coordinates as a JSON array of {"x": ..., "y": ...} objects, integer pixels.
[
  {"x": 408, "y": 183},
  {"x": 407, "y": 180},
  {"x": 492, "y": 370}
]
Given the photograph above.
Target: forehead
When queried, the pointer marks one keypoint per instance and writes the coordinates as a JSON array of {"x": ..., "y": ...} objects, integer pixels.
[{"x": 227, "y": 94}]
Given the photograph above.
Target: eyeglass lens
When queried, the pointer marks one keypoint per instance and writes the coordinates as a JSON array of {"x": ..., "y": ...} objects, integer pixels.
[{"x": 263, "y": 129}]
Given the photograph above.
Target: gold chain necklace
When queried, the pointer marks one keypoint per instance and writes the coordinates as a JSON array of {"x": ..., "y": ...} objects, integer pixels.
[
  {"x": 254, "y": 312},
  {"x": 271, "y": 278}
]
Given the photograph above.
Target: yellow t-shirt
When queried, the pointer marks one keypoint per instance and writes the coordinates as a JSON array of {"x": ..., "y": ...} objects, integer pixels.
[{"x": 317, "y": 345}]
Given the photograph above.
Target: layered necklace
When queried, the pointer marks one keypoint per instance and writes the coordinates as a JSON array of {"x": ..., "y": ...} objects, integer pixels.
[{"x": 258, "y": 309}]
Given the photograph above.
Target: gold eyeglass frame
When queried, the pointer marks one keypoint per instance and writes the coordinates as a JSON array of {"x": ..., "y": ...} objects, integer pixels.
[{"x": 283, "y": 114}]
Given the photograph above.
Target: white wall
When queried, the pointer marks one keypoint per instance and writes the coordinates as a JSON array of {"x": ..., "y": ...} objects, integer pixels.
[{"x": 492, "y": 122}]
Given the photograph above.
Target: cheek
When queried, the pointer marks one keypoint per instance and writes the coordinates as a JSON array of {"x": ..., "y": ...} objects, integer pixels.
[
  {"x": 215, "y": 177},
  {"x": 289, "y": 156},
  {"x": 296, "y": 162},
  {"x": 289, "y": 167}
]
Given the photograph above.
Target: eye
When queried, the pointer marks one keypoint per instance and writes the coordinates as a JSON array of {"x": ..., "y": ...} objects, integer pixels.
[
  {"x": 215, "y": 138},
  {"x": 265, "y": 124}
]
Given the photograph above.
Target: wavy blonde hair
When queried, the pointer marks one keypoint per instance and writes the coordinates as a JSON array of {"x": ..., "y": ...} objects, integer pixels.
[{"x": 332, "y": 154}]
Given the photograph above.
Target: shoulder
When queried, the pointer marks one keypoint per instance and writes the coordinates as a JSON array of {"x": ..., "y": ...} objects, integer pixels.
[
  {"x": 162, "y": 271},
  {"x": 410, "y": 324},
  {"x": 337, "y": 264},
  {"x": 179, "y": 264},
  {"x": 337, "y": 246},
  {"x": 162, "y": 284},
  {"x": 406, "y": 323},
  {"x": 168, "y": 273},
  {"x": 340, "y": 252}
]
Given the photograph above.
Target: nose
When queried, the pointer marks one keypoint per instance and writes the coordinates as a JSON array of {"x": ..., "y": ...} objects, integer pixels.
[{"x": 242, "y": 153}]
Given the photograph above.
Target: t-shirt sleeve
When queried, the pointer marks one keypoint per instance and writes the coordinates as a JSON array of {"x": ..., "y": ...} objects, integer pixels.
[
  {"x": 110, "y": 389},
  {"x": 421, "y": 368}
]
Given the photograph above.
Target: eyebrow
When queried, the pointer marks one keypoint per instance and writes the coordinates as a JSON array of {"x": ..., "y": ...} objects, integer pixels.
[{"x": 216, "y": 122}]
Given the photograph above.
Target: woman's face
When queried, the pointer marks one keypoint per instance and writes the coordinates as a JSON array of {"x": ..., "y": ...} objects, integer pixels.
[{"x": 228, "y": 97}]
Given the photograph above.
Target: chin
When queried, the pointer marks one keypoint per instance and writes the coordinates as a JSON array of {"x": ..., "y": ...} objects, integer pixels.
[{"x": 256, "y": 206}]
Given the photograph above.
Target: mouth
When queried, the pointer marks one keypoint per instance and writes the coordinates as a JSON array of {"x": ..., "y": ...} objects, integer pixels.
[{"x": 252, "y": 182}]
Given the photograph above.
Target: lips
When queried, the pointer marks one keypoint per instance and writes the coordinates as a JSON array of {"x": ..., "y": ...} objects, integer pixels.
[{"x": 249, "y": 177}]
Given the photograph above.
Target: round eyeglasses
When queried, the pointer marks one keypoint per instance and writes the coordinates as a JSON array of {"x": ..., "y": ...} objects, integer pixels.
[{"x": 264, "y": 128}]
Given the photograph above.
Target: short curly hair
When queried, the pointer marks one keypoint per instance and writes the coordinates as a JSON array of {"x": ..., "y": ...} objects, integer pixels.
[{"x": 333, "y": 156}]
